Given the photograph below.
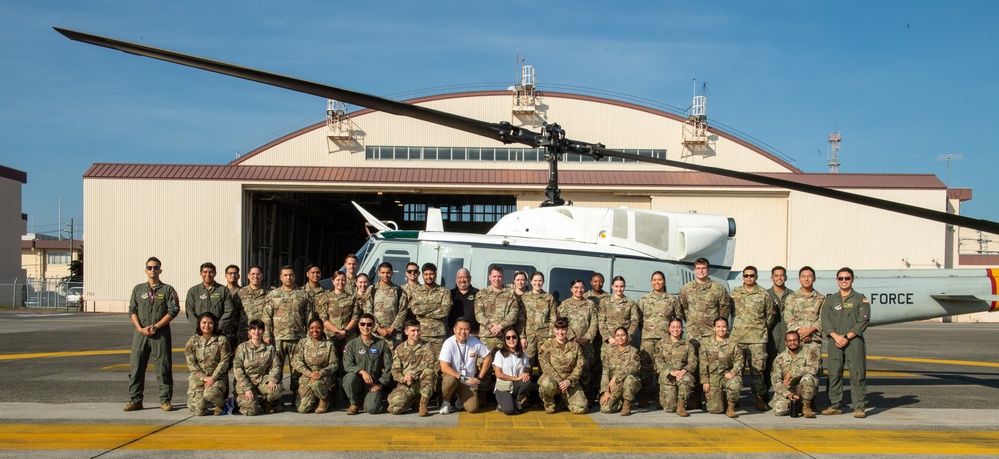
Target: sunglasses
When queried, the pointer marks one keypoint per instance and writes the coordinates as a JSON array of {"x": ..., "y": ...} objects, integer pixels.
[
  {"x": 511, "y": 337},
  {"x": 412, "y": 271},
  {"x": 365, "y": 324},
  {"x": 749, "y": 276},
  {"x": 844, "y": 278},
  {"x": 152, "y": 268}
]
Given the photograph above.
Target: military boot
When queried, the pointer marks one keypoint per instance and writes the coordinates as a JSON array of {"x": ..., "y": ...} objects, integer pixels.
[
  {"x": 831, "y": 411},
  {"x": 323, "y": 406},
  {"x": 424, "y": 401},
  {"x": 731, "y": 410},
  {"x": 806, "y": 409},
  {"x": 681, "y": 411},
  {"x": 761, "y": 403},
  {"x": 352, "y": 410},
  {"x": 626, "y": 408},
  {"x": 643, "y": 399}
]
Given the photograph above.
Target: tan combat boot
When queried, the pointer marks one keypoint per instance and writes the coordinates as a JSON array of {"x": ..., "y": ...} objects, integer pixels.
[
  {"x": 323, "y": 407},
  {"x": 761, "y": 403},
  {"x": 731, "y": 410},
  {"x": 352, "y": 410},
  {"x": 806, "y": 409},
  {"x": 832, "y": 411},
  {"x": 626, "y": 408},
  {"x": 424, "y": 401},
  {"x": 681, "y": 410}
]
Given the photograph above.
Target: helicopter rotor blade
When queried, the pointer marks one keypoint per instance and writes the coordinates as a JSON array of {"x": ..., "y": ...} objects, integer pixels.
[{"x": 505, "y": 132}]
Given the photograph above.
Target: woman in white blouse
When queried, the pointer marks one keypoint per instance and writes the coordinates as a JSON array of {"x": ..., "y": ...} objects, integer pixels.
[{"x": 513, "y": 373}]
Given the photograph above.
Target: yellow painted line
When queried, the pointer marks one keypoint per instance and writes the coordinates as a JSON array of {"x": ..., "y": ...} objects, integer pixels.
[
  {"x": 178, "y": 367},
  {"x": 575, "y": 435},
  {"x": 969, "y": 363},
  {"x": 40, "y": 355}
]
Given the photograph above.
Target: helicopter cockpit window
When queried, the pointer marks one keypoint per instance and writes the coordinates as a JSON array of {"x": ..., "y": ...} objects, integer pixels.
[
  {"x": 449, "y": 268},
  {"x": 652, "y": 230}
]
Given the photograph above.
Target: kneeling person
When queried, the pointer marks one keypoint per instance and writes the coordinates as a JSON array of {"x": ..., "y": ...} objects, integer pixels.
[
  {"x": 676, "y": 362},
  {"x": 458, "y": 365},
  {"x": 794, "y": 378},
  {"x": 721, "y": 370},
  {"x": 258, "y": 373},
  {"x": 414, "y": 368},
  {"x": 620, "y": 382},
  {"x": 208, "y": 357},
  {"x": 367, "y": 362},
  {"x": 315, "y": 359},
  {"x": 561, "y": 363}
]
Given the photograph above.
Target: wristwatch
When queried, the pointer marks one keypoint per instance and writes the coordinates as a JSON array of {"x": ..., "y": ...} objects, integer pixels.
[{"x": 153, "y": 328}]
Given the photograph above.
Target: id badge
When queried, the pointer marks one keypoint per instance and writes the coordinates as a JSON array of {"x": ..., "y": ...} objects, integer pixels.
[{"x": 463, "y": 371}]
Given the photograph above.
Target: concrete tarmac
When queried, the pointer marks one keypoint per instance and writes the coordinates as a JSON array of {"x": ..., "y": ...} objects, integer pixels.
[{"x": 933, "y": 389}]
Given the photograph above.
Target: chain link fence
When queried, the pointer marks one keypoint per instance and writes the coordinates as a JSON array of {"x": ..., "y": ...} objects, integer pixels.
[{"x": 42, "y": 293}]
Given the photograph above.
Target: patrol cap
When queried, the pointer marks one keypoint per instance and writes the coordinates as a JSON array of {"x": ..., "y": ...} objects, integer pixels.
[{"x": 561, "y": 322}]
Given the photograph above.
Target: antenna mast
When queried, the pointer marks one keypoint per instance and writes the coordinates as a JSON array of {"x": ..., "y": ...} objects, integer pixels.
[
  {"x": 834, "y": 140},
  {"x": 948, "y": 157}
]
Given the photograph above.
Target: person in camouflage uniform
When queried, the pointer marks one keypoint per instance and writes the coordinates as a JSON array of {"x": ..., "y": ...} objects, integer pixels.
[
  {"x": 350, "y": 270},
  {"x": 657, "y": 309},
  {"x": 238, "y": 317},
  {"x": 209, "y": 358},
  {"x": 412, "y": 276},
  {"x": 151, "y": 307},
  {"x": 795, "y": 376},
  {"x": 596, "y": 294},
  {"x": 431, "y": 304},
  {"x": 701, "y": 301},
  {"x": 363, "y": 293},
  {"x": 258, "y": 373},
  {"x": 754, "y": 311},
  {"x": 316, "y": 360},
  {"x": 540, "y": 313},
  {"x": 620, "y": 381},
  {"x": 367, "y": 364},
  {"x": 562, "y": 365},
  {"x": 313, "y": 274},
  {"x": 389, "y": 305},
  {"x": 615, "y": 311},
  {"x": 338, "y": 311},
  {"x": 253, "y": 298},
  {"x": 721, "y": 363},
  {"x": 775, "y": 345},
  {"x": 285, "y": 316},
  {"x": 676, "y": 361},
  {"x": 520, "y": 288},
  {"x": 415, "y": 366},
  {"x": 803, "y": 314},
  {"x": 582, "y": 316},
  {"x": 213, "y": 297},
  {"x": 495, "y": 309}
]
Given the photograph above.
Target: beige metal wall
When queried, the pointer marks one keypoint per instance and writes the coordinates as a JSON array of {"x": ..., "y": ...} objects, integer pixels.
[
  {"x": 11, "y": 227},
  {"x": 614, "y": 126},
  {"x": 829, "y": 234},
  {"x": 183, "y": 223}
]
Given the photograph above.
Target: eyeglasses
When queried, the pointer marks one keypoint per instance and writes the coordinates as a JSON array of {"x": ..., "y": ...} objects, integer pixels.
[
  {"x": 413, "y": 271},
  {"x": 749, "y": 276},
  {"x": 232, "y": 274},
  {"x": 511, "y": 337},
  {"x": 844, "y": 278},
  {"x": 365, "y": 324},
  {"x": 152, "y": 268}
]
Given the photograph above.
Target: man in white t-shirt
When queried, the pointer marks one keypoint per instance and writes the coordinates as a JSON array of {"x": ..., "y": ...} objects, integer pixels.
[{"x": 458, "y": 367}]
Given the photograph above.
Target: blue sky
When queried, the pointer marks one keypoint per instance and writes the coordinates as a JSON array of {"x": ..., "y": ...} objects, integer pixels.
[{"x": 904, "y": 82}]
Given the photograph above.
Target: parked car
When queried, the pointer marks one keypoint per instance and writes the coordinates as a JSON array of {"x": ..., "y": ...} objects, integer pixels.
[{"x": 75, "y": 297}]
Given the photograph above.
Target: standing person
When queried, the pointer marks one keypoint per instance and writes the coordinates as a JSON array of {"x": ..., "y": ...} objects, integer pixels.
[
  {"x": 596, "y": 294},
  {"x": 252, "y": 297},
  {"x": 676, "y": 361},
  {"x": 513, "y": 374},
  {"x": 582, "y": 316},
  {"x": 562, "y": 364},
  {"x": 412, "y": 278},
  {"x": 363, "y": 292},
  {"x": 232, "y": 279},
  {"x": 617, "y": 310},
  {"x": 540, "y": 313},
  {"x": 463, "y": 302},
  {"x": 338, "y": 312},
  {"x": 315, "y": 359},
  {"x": 795, "y": 378},
  {"x": 415, "y": 366},
  {"x": 495, "y": 309},
  {"x": 313, "y": 274},
  {"x": 701, "y": 301},
  {"x": 431, "y": 304},
  {"x": 721, "y": 363},
  {"x": 238, "y": 318},
  {"x": 458, "y": 366},
  {"x": 151, "y": 307},
  {"x": 210, "y": 296},
  {"x": 285, "y": 316},
  {"x": 775, "y": 345},
  {"x": 620, "y": 382},
  {"x": 367, "y": 363},
  {"x": 657, "y": 309},
  {"x": 845, "y": 317},
  {"x": 803, "y": 314},
  {"x": 389, "y": 306},
  {"x": 258, "y": 374},
  {"x": 209, "y": 359},
  {"x": 520, "y": 288},
  {"x": 350, "y": 265},
  {"x": 754, "y": 311}
]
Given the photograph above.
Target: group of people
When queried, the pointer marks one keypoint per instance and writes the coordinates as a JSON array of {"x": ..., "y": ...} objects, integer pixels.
[{"x": 397, "y": 348}]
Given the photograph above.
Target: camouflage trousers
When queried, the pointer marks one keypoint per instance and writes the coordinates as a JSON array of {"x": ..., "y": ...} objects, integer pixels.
[
  {"x": 285, "y": 349},
  {"x": 492, "y": 343},
  {"x": 575, "y": 398},
  {"x": 756, "y": 362},
  {"x": 402, "y": 397},
  {"x": 311, "y": 392},
  {"x": 648, "y": 369},
  {"x": 589, "y": 381},
  {"x": 535, "y": 339},
  {"x": 260, "y": 392},
  {"x": 201, "y": 399},
  {"x": 673, "y": 391},
  {"x": 624, "y": 390},
  {"x": 719, "y": 386},
  {"x": 806, "y": 388}
]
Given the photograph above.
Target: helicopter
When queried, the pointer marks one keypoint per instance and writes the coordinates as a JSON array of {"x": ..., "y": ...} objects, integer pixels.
[{"x": 587, "y": 240}]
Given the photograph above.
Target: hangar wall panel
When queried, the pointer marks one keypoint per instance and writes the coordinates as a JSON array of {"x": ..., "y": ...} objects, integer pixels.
[
  {"x": 183, "y": 223},
  {"x": 760, "y": 217},
  {"x": 829, "y": 234}
]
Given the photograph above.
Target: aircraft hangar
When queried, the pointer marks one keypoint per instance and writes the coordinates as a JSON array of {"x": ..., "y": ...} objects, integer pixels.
[{"x": 288, "y": 202}]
